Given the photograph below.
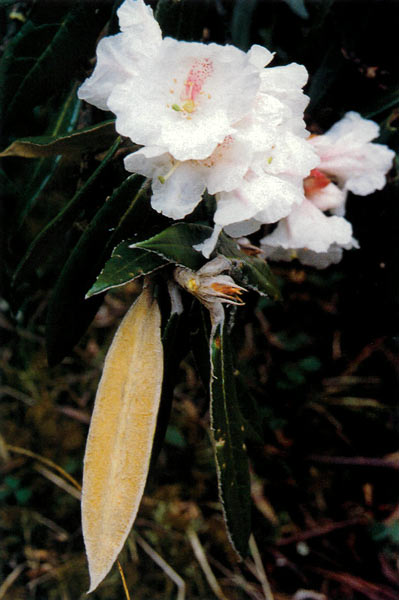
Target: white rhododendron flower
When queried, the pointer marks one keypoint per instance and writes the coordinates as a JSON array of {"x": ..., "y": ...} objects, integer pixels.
[
  {"x": 348, "y": 162},
  {"x": 209, "y": 117},
  {"x": 349, "y": 158},
  {"x": 309, "y": 235}
]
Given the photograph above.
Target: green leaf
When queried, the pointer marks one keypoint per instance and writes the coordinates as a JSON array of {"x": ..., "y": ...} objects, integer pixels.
[
  {"x": 298, "y": 7},
  {"x": 250, "y": 271},
  {"x": 56, "y": 64},
  {"x": 39, "y": 252},
  {"x": 97, "y": 137},
  {"x": 182, "y": 19},
  {"x": 69, "y": 314},
  {"x": 175, "y": 346},
  {"x": 44, "y": 169},
  {"x": 384, "y": 102},
  {"x": 229, "y": 447},
  {"x": 241, "y": 23},
  {"x": 175, "y": 244},
  {"x": 125, "y": 264},
  {"x": 249, "y": 409}
]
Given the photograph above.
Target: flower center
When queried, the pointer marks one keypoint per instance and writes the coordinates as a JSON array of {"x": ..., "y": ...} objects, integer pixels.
[{"x": 200, "y": 71}]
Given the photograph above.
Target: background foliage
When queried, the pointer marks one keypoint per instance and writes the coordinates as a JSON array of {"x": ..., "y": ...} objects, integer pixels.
[{"x": 318, "y": 371}]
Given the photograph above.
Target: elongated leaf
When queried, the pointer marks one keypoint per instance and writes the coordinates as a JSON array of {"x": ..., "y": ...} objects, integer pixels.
[
  {"x": 241, "y": 23},
  {"x": 175, "y": 244},
  {"x": 54, "y": 67},
  {"x": 64, "y": 122},
  {"x": 69, "y": 314},
  {"x": 125, "y": 265},
  {"x": 175, "y": 347},
  {"x": 183, "y": 20},
  {"x": 250, "y": 271},
  {"x": 96, "y": 137},
  {"x": 298, "y": 7},
  {"x": 230, "y": 455},
  {"x": 384, "y": 102},
  {"x": 121, "y": 433},
  {"x": 40, "y": 249}
]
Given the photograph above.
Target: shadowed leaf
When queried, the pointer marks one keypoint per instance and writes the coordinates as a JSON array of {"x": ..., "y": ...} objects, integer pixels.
[
  {"x": 230, "y": 452},
  {"x": 96, "y": 137}
]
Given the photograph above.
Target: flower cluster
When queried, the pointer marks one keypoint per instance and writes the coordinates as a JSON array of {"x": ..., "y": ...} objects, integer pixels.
[
  {"x": 208, "y": 117},
  {"x": 349, "y": 162},
  {"x": 211, "y": 117}
]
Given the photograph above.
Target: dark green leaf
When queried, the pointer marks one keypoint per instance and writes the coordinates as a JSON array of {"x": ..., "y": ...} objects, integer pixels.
[
  {"x": 199, "y": 341},
  {"x": 41, "y": 247},
  {"x": 175, "y": 347},
  {"x": 249, "y": 409},
  {"x": 230, "y": 454},
  {"x": 182, "y": 20},
  {"x": 250, "y": 271},
  {"x": 55, "y": 66},
  {"x": 125, "y": 265},
  {"x": 97, "y": 137},
  {"x": 175, "y": 244},
  {"x": 44, "y": 169},
  {"x": 384, "y": 102},
  {"x": 69, "y": 313},
  {"x": 241, "y": 23},
  {"x": 298, "y": 7}
]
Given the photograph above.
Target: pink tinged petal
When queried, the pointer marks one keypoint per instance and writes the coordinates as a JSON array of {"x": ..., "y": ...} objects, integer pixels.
[
  {"x": 307, "y": 227},
  {"x": 330, "y": 197},
  {"x": 346, "y": 153},
  {"x": 180, "y": 193},
  {"x": 190, "y": 101}
]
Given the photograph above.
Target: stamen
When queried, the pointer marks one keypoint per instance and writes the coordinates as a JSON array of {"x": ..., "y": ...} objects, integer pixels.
[{"x": 164, "y": 178}]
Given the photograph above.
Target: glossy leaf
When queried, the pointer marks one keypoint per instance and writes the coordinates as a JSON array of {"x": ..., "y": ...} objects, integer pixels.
[
  {"x": 228, "y": 436},
  {"x": 125, "y": 264},
  {"x": 250, "y": 271},
  {"x": 97, "y": 137},
  {"x": 175, "y": 244}
]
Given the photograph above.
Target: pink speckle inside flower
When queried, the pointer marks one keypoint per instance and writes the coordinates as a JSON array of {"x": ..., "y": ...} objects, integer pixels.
[{"x": 199, "y": 73}]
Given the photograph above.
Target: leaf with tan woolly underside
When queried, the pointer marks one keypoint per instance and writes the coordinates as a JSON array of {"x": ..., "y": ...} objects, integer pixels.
[{"x": 121, "y": 433}]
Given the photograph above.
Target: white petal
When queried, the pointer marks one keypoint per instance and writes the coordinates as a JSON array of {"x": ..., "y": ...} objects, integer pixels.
[
  {"x": 149, "y": 161},
  {"x": 180, "y": 193},
  {"x": 266, "y": 198},
  {"x": 208, "y": 246},
  {"x": 346, "y": 153},
  {"x": 260, "y": 56},
  {"x": 328, "y": 198},
  {"x": 134, "y": 14},
  {"x": 307, "y": 227},
  {"x": 115, "y": 63}
]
